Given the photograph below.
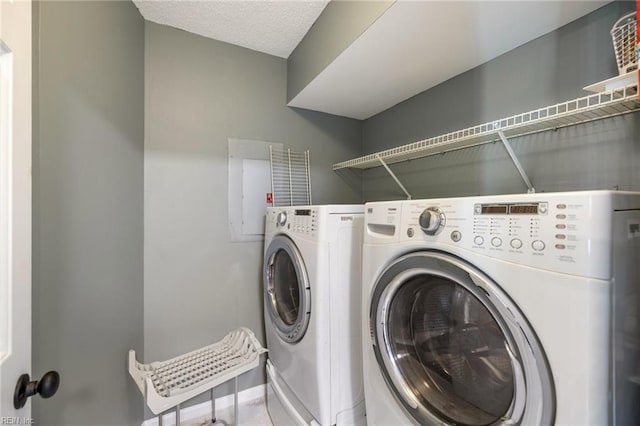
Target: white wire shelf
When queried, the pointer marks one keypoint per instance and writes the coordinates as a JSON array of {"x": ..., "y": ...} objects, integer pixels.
[{"x": 589, "y": 108}]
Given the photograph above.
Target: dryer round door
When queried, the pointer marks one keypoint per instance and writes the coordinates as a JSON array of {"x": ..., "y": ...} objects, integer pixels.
[
  {"x": 286, "y": 289},
  {"x": 454, "y": 348}
]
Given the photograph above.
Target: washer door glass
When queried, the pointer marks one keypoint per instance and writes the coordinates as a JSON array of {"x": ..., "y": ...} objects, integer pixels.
[
  {"x": 286, "y": 289},
  {"x": 444, "y": 346},
  {"x": 450, "y": 350}
]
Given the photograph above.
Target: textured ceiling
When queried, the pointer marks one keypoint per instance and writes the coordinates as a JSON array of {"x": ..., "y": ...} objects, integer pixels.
[
  {"x": 413, "y": 46},
  {"x": 270, "y": 26}
]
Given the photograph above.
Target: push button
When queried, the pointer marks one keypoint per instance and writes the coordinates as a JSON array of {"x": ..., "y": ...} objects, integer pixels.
[
  {"x": 516, "y": 243},
  {"x": 478, "y": 240},
  {"x": 456, "y": 236},
  {"x": 538, "y": 245},
  {"x": 496, "y": 242}
]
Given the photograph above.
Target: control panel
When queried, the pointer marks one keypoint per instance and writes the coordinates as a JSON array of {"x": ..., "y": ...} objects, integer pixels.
[
  {"x": 565, "y": 232},
  {"x": 303, "y": 221},
  {"x": 511, "y": 225}
]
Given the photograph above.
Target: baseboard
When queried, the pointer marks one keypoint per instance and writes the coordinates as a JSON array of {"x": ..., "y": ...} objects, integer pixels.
[{"x": 201, "y": 413}]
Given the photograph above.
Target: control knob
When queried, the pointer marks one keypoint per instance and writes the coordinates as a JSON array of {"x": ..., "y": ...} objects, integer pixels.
[
  {"x": 431, "y": 220},
  {"x": 281, "y": 219}
]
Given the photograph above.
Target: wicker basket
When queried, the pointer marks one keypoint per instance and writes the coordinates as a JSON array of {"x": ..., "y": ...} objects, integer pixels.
[{"x": 625, "y": 43}]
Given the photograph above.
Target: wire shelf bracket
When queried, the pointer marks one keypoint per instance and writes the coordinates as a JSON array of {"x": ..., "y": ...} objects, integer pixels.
[
  {"x": 395, "y": 178},
  {"x": 516, "y": 162}
]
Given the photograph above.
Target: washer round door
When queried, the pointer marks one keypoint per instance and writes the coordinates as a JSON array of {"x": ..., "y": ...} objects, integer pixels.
[
  {"x": 453, "y": 347},
  {"x": 286, "y": 289}
]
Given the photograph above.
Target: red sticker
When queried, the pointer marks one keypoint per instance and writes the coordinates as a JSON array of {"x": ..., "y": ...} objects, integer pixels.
[{"x": 269, "y": 197}]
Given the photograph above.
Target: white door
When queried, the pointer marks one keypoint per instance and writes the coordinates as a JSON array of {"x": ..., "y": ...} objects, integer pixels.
[{"x": 15, "y": 204}]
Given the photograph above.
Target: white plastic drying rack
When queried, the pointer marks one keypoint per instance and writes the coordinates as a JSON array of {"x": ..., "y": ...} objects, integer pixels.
[
  {"x": 167, "y": 384},
  {"x": 608, "y": 103}
]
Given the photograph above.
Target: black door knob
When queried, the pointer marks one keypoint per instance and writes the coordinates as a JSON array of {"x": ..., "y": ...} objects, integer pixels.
[{"x": 46, "y": 387}]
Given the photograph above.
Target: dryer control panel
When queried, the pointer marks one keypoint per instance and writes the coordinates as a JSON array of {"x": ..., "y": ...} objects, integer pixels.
[{"x": 302, "y": 220}]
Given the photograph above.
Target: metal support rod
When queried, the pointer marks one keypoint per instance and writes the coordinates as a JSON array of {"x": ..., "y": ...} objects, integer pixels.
[
  {"x": 213, "y": 407},
  {"x": 235, "y": 400},
  {"x": 308, "y": 169},
  {"x": 516, "y": 162},
  {"x": 178, "y": 415},
  {"x": 290, "y": 179},
  {"x": 394, "y": 176},
  {"x": 274, "y": 202},
  {"x": 160, "y": 419}
]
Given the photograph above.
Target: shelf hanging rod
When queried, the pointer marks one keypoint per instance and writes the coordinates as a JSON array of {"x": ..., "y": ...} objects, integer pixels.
[
  {"x": 516, "y": 162},
  {"x": 393, "y": 175}
]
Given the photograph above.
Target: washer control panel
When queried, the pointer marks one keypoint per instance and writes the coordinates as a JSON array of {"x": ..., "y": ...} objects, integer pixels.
[
  {"x": 565, "y": 232},
  {"x": 510, "y": 224}
]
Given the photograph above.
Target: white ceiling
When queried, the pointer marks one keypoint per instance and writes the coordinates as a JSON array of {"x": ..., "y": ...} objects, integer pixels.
[
  {"x": 413, "y": 46},
  {"x": 416, "y": 45},
  {"x": 270, "y": 26}
]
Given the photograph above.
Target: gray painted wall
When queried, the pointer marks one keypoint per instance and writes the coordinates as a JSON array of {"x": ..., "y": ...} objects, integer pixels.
[
  {"x": 88, "y": 178},
  {"x": 88, "y": 209},
  {"x": 337, "y": 27},
  {"x": 198, "y": 93},
  {"x": 545, "y": 71}
]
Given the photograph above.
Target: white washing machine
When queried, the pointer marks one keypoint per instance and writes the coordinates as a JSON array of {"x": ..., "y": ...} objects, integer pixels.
[
  {"x": 312, "y": 295},
  {"x": 514, "y": 309}
]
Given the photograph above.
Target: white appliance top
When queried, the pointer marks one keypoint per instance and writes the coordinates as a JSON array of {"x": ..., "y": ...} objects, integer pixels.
[{"x": 566, "y": 232}]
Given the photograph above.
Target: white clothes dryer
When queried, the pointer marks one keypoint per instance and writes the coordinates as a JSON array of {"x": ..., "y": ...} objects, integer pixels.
[
  {"x": 514, "y": 309},
  {"x": 312, "y": 302}
]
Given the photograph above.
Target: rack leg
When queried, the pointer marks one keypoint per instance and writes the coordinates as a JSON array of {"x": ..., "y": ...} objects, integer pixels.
[
  {"x": 160, "y": 419},
  {"x": 213, "y": 407},
  {"x": 235, "y": 400},
  {"x": 178, "y": 415}
]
